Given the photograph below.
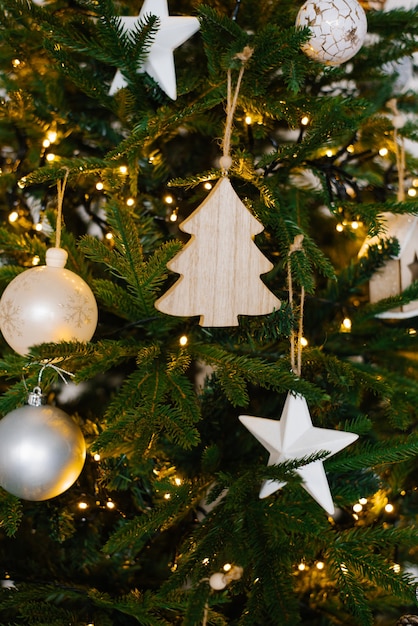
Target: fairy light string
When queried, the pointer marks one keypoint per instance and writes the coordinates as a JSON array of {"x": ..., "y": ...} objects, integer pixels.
[{"x": 295, "y": 337}]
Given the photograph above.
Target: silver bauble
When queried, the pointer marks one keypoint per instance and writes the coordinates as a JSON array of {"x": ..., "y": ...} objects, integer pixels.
[
  {"x": 47, "y": 304},
  {"x": 42, "y": 452}
]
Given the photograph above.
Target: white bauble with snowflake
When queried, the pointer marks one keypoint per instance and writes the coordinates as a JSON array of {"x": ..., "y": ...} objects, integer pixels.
[
  {"x": 338, "y": 29},
  {"x": 47, "y": 304}
]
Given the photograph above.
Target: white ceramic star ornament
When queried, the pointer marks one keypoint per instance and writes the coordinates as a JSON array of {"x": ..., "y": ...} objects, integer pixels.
[
  {"x": 294, "y": 437},
  {"x": 171, "y": 34}
]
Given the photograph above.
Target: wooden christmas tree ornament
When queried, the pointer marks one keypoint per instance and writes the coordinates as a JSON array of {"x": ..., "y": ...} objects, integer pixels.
[
  {"x": 220, "y": 265},
  {"x": 400, "y": 271}
]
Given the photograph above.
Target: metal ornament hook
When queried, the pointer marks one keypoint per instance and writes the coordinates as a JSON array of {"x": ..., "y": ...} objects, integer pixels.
[
  {"x": 59, "y": 371},
  {"x": 36, "y": 397}
]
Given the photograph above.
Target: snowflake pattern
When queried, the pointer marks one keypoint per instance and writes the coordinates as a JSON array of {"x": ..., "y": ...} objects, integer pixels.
[
  {"x": 78, "y": 311},
  {"x": 10, "y": 321}
]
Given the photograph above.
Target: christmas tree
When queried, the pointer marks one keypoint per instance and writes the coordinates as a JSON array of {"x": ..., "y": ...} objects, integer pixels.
[{"x": 117, "y": 122}]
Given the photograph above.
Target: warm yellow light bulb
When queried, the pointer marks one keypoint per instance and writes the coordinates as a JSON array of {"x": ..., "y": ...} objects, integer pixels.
[
  {"x": 208, "y": 186},
  {"x": 363, "y": 501},
  {"x": 123, "y": 169},
  {"x": 173, "y": 216},
  {"x": 38, "y": 227},
  {"x": 303, "y": 342},
  {"x": 357, "y": 508},
  {"x": 168, "y": 199},
  {"x": 82, "y": 505},
  {"x": 50, "y": 156},
  {"x": 248, "y": 120},
  {"x": 36, "y": 260},
  {"x": 183, "y": 340},
  {"x": 178, "y": 481},
  {"x": 339, "y": 228},
  {"x": 346, "y": 324},
  {"x": 412, "y": 192},
  {"x": 355, "y": 225},
  {"x": 52, "y": 136},
  {"x": 329, "y": 153},
  {"x": 320, "y": 565},
  {"x": 96, "y": 456},
  {"x": 383, "y": 152},
  {"x": 13, "y": 216},
  {"x": 15, "y": 62},
  {"x": 99, "y": 186},
  {"x": 389, "y": 508},
  {"x": 167, "y": 496},
  {"x": 301, "y": 567},
  {"x": 46, "y": 143},
  {"x": 110, "y": 504},
  {"x": 305, "y": 120},
  {"x": 109, "y": 236},
  {"x": 350, "y": 148},
  {"x": 130, "y": 201}
]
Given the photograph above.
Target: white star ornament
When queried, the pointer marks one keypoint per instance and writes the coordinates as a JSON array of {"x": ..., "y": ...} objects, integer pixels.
[
  {"x": 294, "y": 437},
  {"x": 172, "y": 33}
]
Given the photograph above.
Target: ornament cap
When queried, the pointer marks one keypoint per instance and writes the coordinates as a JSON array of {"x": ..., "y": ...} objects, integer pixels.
[
  {"x": 56, "y": 257},
  {"x": 36, "y": 397}
]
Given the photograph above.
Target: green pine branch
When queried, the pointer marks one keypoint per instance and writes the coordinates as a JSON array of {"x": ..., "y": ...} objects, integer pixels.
[
  {"x": 11, "y": 513},
  {"x": 137, "y": 532},
  {"x": 375, "y": 454},
  {"x": 126, "y": 262},
  {"x": 236, "y": 371}
]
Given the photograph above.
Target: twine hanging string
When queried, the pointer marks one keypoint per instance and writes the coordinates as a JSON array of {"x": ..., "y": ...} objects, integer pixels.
[
  {"x": 231, "y": 105},
  {"x": 296, "y": 338},
  {"x": 399, "y": 148},
  {"x": 205, "y": 615},
  {"x": 60, "y": 199}
]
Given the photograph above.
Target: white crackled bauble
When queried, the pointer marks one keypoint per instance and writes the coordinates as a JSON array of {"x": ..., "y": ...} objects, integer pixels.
[
  {"x": 338, "y": 29},
  {"x": 42, "y": 451},
  {"x": 47, "y": 304}
]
